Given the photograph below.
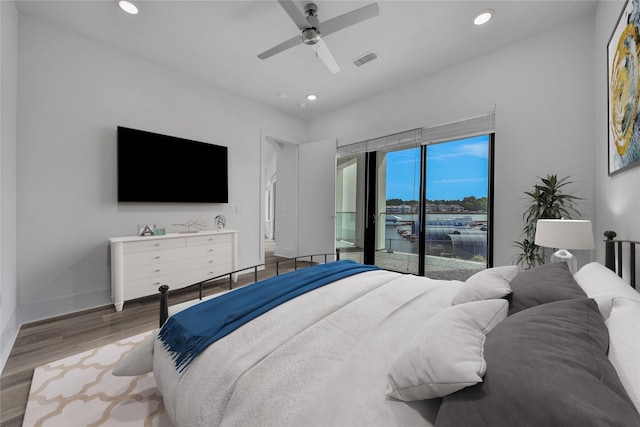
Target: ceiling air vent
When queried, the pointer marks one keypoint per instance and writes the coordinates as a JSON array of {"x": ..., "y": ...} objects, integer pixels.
[{"x": 367, "y": 57}]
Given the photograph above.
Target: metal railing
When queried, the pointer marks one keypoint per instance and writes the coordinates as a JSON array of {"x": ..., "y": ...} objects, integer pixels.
[{"x": 233, "y": 275}]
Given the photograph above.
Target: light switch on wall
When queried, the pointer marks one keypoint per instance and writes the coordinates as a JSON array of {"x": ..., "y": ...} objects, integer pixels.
[{"x": 241, "y": 208}]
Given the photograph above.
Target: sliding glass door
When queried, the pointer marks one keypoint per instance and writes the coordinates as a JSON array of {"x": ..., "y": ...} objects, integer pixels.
[
  {"x": 457, "y": 207},
  {"x": 398, "y": 209},
  {"x": 418, "y": 208}
]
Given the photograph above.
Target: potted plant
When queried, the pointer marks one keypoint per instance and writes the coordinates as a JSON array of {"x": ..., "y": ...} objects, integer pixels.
[{"x": 546, "y": 201}]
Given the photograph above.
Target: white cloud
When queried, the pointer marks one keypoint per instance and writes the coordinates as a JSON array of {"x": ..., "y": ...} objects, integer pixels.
[
  {"x": 474, "y": 150},
  {"x": 459, "y": 180}
]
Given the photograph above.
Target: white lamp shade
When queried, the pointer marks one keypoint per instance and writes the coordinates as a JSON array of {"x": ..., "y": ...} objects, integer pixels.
[{"x": 564, "y": 234}]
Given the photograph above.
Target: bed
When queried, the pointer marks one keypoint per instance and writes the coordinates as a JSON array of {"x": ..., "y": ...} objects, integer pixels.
[{"x": 539, "y": 347}]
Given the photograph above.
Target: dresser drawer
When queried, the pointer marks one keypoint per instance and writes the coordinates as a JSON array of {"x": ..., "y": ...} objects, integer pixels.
[
  {"x": 149, "y": 286},
  {"x": 143, "y": 287},
  {"x": 153, "y": 245},
  {"x": 224, "y": 239},
  {"x": 182, "y": 266},
  {"x": 177, "y": 254},
  {"x": 198, "y": 275}
]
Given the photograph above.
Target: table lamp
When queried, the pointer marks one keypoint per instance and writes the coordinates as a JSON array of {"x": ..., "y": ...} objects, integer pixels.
[{"x": 564, "y": 234}]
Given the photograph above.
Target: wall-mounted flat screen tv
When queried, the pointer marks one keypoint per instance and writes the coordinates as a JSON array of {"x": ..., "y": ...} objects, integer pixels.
[{"x": 166, "y": 169}]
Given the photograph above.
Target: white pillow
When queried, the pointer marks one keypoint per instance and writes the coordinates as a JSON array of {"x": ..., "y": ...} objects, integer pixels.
[
  {"x": 596, "y": 279},
  {"x": 603, "y": 285},
  {"x": 624, "y": 344},
  {"x": 139, "y": 361},
  {"x": 487, "y": 284},
  {"x": 447, "y": 355}
]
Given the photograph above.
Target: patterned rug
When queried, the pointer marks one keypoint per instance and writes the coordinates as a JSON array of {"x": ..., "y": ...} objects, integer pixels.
[{"x": 80, "y": 391}]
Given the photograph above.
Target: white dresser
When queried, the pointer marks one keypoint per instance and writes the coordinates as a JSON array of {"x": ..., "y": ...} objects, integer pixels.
[{"x": 139, "y": 265}]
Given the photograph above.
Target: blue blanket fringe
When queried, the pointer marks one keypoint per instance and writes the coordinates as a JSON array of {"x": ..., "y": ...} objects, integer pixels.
[{"x": 187, "y": 333}]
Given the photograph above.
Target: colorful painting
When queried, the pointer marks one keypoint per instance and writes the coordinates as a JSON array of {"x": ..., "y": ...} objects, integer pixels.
[{"x": 623, "y": 53}]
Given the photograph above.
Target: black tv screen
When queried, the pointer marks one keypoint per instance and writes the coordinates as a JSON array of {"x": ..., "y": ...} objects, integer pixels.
[{"x": 161, "y": 168}]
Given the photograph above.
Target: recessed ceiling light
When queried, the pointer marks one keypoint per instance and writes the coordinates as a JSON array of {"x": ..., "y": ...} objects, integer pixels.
[
  {"x": 282, "y": 95},
  {"x": 128, "y": 7},
  {"x": 483, "y": 17},
  {"x": 302, "y": 105},
  {"x": 311, "y": 97}
]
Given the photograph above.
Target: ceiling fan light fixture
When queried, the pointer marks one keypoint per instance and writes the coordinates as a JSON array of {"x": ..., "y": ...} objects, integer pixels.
[
  {"x": 128, "y": 7},
  {"x": 311, "y": 97},
  {"x": 483, "y": 17},
  {"x": 310, "y": 36}
]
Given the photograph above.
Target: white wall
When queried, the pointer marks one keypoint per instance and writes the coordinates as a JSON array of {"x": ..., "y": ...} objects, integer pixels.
[
  {"x": 8, "y": 111},
  {"x": 73, "y": 93},
  {"x": 617, "y": 196},
  {"x": 543, "y": 91}
]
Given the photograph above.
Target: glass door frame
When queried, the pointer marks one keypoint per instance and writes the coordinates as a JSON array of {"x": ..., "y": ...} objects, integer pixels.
[
  {"x": 370, "y": 191},
  {"x": 371, "y": 174}
]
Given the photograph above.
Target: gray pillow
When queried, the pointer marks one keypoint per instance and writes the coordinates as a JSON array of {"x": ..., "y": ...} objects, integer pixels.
[
  {"x": 543, "y": 284},
  {"x": 546, "y": 366}
]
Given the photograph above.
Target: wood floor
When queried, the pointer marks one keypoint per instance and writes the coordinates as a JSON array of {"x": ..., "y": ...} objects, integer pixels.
[{"x": 52, "y": 339}]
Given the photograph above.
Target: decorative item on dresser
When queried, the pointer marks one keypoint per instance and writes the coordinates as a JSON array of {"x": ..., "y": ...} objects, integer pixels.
[
  {"x": 140, "y": 264},
  {"x": 220, "y": 222}
]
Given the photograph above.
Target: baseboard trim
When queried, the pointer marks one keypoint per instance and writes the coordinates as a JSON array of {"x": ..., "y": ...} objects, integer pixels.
[
  {"x": 285, "y": 252},
  {"x": 6, "y": 342},
  {"x": 56, "y": 307}
]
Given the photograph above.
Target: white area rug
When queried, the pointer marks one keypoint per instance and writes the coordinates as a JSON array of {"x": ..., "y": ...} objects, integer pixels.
[{"x": 80, "y": 391}]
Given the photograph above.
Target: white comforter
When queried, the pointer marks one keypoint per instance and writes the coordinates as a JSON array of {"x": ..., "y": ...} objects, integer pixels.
[{"x": 321, "y": 359}]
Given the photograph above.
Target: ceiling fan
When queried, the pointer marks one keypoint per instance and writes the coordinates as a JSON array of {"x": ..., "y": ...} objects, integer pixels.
[{"x": 312, "y": 30}]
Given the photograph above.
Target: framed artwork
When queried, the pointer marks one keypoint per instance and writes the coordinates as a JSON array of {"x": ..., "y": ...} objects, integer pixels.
[{"x": 623, "y": 52}]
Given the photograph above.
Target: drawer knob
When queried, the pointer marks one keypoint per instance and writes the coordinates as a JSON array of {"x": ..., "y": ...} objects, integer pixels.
[
  {"x": 158, "y": 271},
  {"x": 158, "y": 257},
  {"x": 156, "y": 244}
]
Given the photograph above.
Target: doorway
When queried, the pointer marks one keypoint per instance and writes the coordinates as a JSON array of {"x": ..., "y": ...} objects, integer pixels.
[
  {"x": 279, "y": 215},
  {"x": 270, "y": 210},
  {"x": 298, "y": 207}
]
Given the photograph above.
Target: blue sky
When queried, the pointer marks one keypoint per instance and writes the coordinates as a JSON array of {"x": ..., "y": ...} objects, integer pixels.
[{"x": 455, "y": 170}]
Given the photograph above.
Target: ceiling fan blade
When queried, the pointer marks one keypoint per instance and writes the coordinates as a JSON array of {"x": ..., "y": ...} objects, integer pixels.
[
  {"x": 294, "y": 41},
  {"x": 294, "y": 13},
  {"x": 348, "y": 19},
  {"x": 322, "y": 51}
]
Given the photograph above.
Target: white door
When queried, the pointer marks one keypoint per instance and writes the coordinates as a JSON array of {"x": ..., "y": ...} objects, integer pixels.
[{"x": 317, "y": 197}]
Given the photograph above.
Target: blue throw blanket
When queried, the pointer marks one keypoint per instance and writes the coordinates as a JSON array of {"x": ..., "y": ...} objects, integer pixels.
[{"x": 189, "y": 332}]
